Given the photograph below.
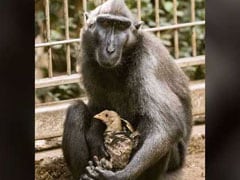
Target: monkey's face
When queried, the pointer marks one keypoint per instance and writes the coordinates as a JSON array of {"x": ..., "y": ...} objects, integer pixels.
[{"x": 112, "y": 34}]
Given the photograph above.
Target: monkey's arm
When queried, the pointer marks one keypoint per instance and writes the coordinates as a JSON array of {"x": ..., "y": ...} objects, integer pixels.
[
  {"x": 153, "y": 149},
  {"x": 155, "y": 146}
]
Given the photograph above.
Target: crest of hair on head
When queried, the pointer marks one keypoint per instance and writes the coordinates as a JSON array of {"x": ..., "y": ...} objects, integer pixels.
[{"x": 116, "y": 7}]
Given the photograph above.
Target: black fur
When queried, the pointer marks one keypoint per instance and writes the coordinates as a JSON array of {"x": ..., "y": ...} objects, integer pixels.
[{"x": 146, "y": 88}]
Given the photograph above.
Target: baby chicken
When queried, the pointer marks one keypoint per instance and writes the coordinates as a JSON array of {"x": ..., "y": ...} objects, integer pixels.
[{"x": 119, "y": 139}]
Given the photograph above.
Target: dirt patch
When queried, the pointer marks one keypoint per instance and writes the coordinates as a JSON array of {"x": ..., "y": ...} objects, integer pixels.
[
  {"x": 49, "y": 169},
  {"x": 197, "y": 144},
  {"x": 194, "y": 169}
]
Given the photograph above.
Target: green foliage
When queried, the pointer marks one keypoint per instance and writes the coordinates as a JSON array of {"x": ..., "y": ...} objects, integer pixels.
[{"x": 62, "y": 92}]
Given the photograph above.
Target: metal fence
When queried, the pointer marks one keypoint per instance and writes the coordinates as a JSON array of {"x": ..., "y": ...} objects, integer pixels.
[{"x": 74, "y": 78}]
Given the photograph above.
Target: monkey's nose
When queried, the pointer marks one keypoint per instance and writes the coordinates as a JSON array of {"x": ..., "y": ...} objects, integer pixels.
[{"x": 110, "y": 49}]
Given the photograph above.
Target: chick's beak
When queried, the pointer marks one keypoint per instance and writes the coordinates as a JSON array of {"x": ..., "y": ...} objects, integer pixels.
[{"x": 99, "y": 117}]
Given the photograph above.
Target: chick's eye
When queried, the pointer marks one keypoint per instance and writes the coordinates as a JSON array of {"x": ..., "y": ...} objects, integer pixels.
[{"x": 106, "y": 115}]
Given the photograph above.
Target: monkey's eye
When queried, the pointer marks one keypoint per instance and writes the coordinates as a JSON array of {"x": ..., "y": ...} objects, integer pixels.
[
  {"x": 105, "y": 23},
  {"x": 122, "y": 25}
]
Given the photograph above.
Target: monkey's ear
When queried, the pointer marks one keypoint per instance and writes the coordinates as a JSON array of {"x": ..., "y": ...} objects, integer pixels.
[
  {"x": 86, "y": 15},
  {"x": 139, "y": 25}
]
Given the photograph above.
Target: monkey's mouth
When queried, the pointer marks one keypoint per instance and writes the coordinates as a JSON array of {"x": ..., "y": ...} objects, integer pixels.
[
  {"x": 107, "y": 65},
  {"x": 108, "y": 62}
]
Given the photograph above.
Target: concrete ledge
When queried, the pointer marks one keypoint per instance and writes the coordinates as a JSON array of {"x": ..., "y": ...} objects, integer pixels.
[{"x": 49, "y": 118}]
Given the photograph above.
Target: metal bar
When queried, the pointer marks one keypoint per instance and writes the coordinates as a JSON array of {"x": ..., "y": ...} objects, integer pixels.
[
  {"x": 68, "y": 56},
  {"x": 176, "y": 42},
  {"x": 84, "y": 2},
  {"x": 59, "y": 80},
  {"x": 194, "y": 44},
  {"x": 84, "y": 5},
  {"x": 190, "y": 61},
  {"x": 55, "y": 43},
  {"x": 47, "y": 12},
  {"x": 177, "y": 26},
  {"x": 139, "y": 13},
  {"x": 157, "y": 16},
  {"x": 76, "y": 78}
]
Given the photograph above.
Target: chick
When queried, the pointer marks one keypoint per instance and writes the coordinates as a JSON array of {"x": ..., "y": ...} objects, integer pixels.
[{"x": 119, "y": 140}]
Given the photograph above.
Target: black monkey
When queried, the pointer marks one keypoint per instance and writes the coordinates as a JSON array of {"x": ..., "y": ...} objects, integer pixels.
[{"x": 129, "y": 71}]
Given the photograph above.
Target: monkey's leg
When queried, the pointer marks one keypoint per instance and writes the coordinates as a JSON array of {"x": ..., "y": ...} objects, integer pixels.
[
  {"x": 175, "y": 162},
  {"x": 177, "y": 157},
  {"x": 175, "y": 175},
  {"x": 157, "y": 171},
  {"x": 75, "y": 149}
]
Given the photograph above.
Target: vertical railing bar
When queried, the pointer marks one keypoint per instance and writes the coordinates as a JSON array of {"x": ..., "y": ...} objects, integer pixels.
[
  {"x": 139, "y": 13},
  {"x": 176, "y": 42},
  {"x": 84, "y": 10},
  {"x": 68, "y": 56},
  {"x": 194, "y": 44},
  {"x": 157, "y": 16},
  {"x": 85, "y": 5},
  {"x": 47, "y": 13}
]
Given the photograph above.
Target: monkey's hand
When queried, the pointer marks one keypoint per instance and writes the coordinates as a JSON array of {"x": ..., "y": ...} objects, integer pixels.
[
  {"x": 98, "y": 173},
  {"x": 102, "y": 174}
]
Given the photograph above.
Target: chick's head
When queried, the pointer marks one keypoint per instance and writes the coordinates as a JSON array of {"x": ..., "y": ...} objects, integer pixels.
[{"x": 111, "y": 119}]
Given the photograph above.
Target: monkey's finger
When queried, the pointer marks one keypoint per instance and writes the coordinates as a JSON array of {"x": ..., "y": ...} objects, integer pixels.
[
  {"x": 99, "y": 170},
  {"x": 96, "y": 160},
  {"x": 86, "y": 177},
  {"x": 90, "y": 163},
  {"x": 106, "y": 164},
  {"x": 91, "y": 172}
]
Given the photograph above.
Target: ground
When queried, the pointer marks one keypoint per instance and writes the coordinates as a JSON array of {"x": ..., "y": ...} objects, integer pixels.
[
  {"x": 194, "y": 169},
  {"x": 195, "y": 163}
]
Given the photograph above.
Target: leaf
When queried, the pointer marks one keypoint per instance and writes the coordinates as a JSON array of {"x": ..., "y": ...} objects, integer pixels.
[{"x": 168, "y": 6}]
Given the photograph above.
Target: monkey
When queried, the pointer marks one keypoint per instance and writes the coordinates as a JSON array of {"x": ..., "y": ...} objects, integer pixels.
[{"x": 130, "y": 71}]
